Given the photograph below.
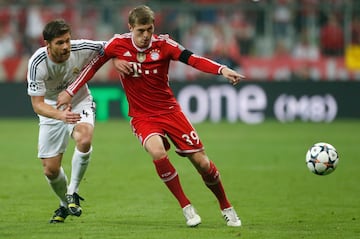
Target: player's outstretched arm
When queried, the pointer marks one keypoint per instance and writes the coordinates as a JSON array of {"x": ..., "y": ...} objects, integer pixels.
[
  {"x": 86, "y": 74},
  {"x": 206, "y": 65},
  {"x": 232, "y": 75}
]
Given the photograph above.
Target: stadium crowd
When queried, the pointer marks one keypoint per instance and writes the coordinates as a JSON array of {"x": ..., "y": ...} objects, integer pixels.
[{"x": 227, "y": 31}]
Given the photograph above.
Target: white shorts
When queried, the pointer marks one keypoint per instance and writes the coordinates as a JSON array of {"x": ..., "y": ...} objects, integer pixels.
[{"x": 54, "y": 134}]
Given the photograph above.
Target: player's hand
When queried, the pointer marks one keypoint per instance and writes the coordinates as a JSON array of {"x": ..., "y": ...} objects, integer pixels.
[
  {"x": 69, "y": 117},
  {"x": 63, "y": 100},
  {"x": 232, "y": 75},
  {"x": 122, "y": 66}
]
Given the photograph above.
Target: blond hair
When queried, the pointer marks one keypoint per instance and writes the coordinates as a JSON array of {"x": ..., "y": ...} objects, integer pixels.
[{"x": 141, "y": 15}]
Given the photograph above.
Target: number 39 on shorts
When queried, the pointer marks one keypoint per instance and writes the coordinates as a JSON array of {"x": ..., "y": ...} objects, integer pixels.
[{"x": 191, "y": 138}]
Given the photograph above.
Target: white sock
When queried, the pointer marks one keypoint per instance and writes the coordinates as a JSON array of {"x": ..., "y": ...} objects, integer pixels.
[
  {"x": 59, "y": 186},
  {"x": 79, "y": 165}
]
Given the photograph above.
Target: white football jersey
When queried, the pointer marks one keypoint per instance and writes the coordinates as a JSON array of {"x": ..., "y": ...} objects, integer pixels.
[{"x": 48, "y": 79}]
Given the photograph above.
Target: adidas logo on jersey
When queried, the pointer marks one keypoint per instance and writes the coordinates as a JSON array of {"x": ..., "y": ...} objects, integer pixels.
[{"x": 127, "y": 53}]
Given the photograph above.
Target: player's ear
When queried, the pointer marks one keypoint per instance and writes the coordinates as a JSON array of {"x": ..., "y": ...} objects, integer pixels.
[
  {"x": 153, "y": 28},
  {"x": 130, "y": 27},
  {"x": 47, "y": 43}
]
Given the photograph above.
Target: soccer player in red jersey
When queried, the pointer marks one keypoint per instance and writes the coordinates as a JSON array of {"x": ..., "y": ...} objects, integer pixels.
[{"x": 142, "y": 59}]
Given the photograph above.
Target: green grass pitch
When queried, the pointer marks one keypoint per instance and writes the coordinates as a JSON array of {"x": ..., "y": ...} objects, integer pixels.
[{"x": 262, "y": 166}]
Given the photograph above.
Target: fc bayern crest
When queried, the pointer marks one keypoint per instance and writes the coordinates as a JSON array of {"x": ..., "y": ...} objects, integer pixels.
[
  {"x": 155, "y": 55},
  {"x": 141, "y": 56}
]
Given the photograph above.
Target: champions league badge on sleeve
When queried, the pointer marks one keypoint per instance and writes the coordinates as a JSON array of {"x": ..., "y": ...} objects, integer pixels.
[{"x": 34, "y": 86}]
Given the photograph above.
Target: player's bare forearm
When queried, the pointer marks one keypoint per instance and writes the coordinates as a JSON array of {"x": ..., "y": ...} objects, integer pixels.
[
  {"x": 41, "y": 108},
  {"x": 232, "y": 76}
]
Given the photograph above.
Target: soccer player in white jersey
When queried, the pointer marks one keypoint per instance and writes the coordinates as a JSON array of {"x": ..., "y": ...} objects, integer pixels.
[{"x": 50, "y": 70}]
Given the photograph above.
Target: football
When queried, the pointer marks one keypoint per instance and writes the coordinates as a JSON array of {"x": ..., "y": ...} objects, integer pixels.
[{"x": 322, "y": 158}]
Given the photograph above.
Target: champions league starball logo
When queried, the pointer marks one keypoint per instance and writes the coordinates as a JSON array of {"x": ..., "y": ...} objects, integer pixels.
[{"x": 34, "y": 86}]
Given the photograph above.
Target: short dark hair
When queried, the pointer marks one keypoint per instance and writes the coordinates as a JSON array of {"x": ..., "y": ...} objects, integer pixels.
[
  {"x": 55, "y": 28},
  {"x": 141, "y": 15}
]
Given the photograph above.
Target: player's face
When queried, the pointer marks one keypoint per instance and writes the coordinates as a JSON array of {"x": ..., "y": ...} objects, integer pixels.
[
  {"x": 59, "y": 48},
  {"x": 142, "y": 34}
]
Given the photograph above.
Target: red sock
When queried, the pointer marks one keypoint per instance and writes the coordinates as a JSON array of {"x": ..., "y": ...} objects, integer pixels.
[
  {"x": 213, "y": 182},
  {"x": 169, "y": 176}
]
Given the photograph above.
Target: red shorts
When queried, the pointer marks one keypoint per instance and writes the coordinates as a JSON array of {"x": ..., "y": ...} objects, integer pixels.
[{"x": 175, "y": 126}]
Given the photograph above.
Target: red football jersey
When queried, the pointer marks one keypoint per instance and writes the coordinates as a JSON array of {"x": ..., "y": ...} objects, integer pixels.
[{"x": 147, "y": 87}]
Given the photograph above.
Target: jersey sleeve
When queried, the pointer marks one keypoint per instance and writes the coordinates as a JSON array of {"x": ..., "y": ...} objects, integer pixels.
[
  {"x": 179, "y": 53},
  {"x": 205, "y": 65},
  {"x": 36, "y": 84},
  {"x": 88, "y": 71},
  {"x": 36, "y": 75}
]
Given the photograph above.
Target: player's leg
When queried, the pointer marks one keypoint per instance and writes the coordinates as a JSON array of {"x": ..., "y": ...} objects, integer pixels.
[
  {"x": 82, "y": 133},
  {"x": 56, "y": 177},
  {"x": 188, "y": 144},
  {"x": 210, "y": 175},
  {"x": 57, "y": 180},
  {"x": 212, "y": 180},
  {"x": 154, "y": 145},
  {"x": 53, "y": 140}
]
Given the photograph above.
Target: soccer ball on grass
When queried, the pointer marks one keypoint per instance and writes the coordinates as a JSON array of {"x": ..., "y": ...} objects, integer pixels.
[{"x": 322, "y": 158}]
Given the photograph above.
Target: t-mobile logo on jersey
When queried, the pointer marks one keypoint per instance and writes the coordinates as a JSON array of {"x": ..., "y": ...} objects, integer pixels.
[{"x": 137, "y": 70}]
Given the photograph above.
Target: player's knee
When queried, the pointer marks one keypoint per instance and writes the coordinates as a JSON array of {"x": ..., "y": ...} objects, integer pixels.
[
  {"x": 158, "y": 154},
  {"x": 204, "y": 165},
  {"x": 83, "y": 141},
  {"x": 83, "y": 134},
  {"x": 200, "y": 161},
  {"x": 83, "y": 144},
  {"x": 157, "y": 151},
  {"x": 51, "y": 173}
]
